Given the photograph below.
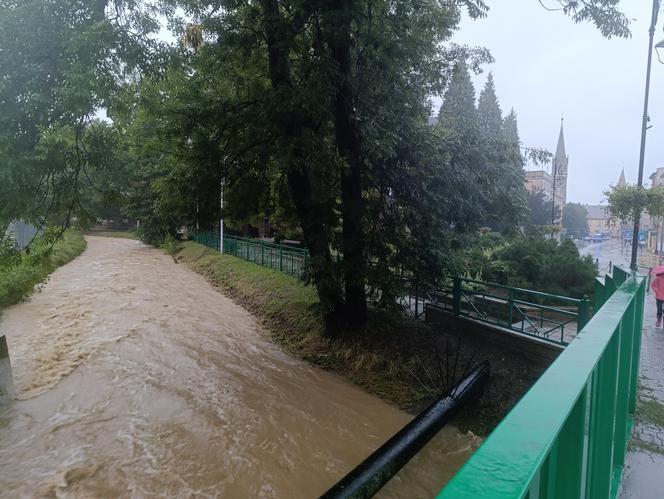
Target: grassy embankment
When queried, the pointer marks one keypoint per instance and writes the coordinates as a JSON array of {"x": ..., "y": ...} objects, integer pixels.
[
  {"x": 398, "y": 359},
  {"x": 18, "y": 282}
]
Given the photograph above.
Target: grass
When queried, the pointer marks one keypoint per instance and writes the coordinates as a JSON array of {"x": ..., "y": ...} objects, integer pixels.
[
  {"x": 396, "y": 358},
  {"x": 18, "y": 282},
  {"x": 648, "y": 412},
  {"x": 651, "y": 411}
]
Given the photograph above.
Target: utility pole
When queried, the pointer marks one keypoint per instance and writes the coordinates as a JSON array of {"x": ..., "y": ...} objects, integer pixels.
[
  {"x": 221, "y": 221},
  {"x": 644, "y": 128},
  {"x": 553, "y": 193}
]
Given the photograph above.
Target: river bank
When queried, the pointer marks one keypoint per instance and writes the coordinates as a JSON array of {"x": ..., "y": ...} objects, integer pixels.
[
  {"x": 399, "y": 359},
  {"x": 19, "y": 281}
]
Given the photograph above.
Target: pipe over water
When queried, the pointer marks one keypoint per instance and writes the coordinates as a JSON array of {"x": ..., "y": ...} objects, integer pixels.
[{"x": 375, "y": 471}]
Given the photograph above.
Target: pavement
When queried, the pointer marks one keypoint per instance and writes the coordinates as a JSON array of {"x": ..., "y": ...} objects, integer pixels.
[{"x": 643, "y": 473}]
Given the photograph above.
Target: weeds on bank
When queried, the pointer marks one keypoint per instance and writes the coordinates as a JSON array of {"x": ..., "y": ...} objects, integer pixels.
[{"x": 18, "y": 280}]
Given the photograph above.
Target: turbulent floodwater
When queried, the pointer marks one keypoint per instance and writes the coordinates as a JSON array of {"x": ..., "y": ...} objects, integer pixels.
[{"x": 136, "y": 378}]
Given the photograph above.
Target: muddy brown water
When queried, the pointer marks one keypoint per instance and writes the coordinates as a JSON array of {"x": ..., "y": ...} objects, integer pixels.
[{"x": 136, "y": 378}]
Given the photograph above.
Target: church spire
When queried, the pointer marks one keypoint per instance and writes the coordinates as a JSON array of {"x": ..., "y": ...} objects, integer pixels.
[
  {"x": 560, "y": 149},
  {"x": 621, "y": 180}
]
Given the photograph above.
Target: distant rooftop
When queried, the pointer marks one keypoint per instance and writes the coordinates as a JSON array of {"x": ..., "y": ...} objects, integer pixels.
[{"x": 597, "y": 211}]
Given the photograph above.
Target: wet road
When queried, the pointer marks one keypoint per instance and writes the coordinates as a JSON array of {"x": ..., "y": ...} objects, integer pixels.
[
  {"x": 136, "y": 378},
  {"x": 643, "y": 475}
]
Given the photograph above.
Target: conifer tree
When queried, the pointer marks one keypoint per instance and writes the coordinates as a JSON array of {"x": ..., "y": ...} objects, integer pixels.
[
  {"x": 510, "y": 131},
  {"x": 489, "y": 114},
  {"x": 458, "y": 112}
]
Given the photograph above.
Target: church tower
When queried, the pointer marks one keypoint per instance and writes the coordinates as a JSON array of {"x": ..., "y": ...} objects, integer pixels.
[{"x": 559, "y": 172}]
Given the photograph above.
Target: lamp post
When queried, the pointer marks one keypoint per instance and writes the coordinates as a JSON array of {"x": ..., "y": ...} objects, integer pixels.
[{"x": 644, "y": 128}]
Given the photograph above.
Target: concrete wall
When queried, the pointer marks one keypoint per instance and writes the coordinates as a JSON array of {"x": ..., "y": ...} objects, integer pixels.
[{"x": 539, "y": 352}]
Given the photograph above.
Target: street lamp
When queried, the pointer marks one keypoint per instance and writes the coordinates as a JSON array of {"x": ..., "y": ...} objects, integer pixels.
[
  {"x": 658, "y": 46},
  {"x": 644, "y": 128}
]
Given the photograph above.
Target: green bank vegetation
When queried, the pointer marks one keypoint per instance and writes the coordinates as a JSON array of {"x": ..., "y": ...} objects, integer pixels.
[{"x": 21, "y": 271}]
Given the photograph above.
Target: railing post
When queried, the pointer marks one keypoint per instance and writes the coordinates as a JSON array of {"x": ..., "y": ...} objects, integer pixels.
[
  {"x": 456, "y": 295},
  {"x": 281, "y": 260},
  {"x": 510, "y": 305},
  {"x": 583, "y": 314},
  {"x": 262, "y": 254}
]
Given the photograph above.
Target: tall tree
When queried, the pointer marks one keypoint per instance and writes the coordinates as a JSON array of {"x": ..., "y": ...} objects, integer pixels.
[
  {"x": 575, "y": 220},
  {"x": 539, "y": 209},
  {"x": 60, "y": 61},
  {"x": 458, "y": 111},
  {"x": 510, "y": 131},
  {"x": 489, "y": 113}
]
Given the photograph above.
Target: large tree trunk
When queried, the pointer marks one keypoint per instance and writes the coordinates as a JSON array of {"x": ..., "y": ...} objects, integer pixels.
[
  {"x": 291, "y": 122},
  {"x": 348, "y": 144}
]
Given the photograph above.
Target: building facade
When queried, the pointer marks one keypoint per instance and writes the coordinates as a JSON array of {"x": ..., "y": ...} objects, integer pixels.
[{"x": 553, "y": 184}]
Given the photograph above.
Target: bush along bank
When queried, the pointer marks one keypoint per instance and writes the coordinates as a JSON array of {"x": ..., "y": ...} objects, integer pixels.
[
  {"x": 21, "y": 271},
  {"x": 397, "y": 358}
]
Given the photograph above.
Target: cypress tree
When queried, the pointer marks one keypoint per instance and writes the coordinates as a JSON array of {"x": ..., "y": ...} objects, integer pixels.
[
  {"x": 458, "y": 112},
  {"x": 510, "y": 134},
  {"x": 489, "y": 114}
]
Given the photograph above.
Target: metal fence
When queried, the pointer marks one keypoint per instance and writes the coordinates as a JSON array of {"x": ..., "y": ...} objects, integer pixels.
[
  {"x": 549, "y": 317},
  {"x": 568, "y": 436},
  {"x": 286, "y": 259}
]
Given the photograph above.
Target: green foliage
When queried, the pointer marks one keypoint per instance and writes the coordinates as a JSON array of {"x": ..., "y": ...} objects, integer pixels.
[
  {"x": 604, "y": 14},
  {"x": 10, "y": 255},
  {"x": 540, "y": 209},
  {"x": 490, "y": 157},
  {"x": 489, "y": 113},
  {"x": 53, "y": 249},
  {"x": 575, "y": 221},
  {"x": 313, "y": 114},
  {"x": 170, "y": 245},
  {"x": 530, "y": 261},
  {"x": 627, "y": 200},
  {"x": 61, "y": 62}
]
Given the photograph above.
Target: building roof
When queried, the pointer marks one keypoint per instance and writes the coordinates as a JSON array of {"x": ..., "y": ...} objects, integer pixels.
[
  {"x": 560, "y": 148},
  {"x": 621, "y": 180},
  {"x": 597, "y": 212}
]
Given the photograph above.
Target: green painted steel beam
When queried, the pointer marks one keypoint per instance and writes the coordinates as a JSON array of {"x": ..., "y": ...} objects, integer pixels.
[{"x": 573, "y": 401}]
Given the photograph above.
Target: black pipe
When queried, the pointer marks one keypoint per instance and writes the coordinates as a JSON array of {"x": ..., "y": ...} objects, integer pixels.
[{"x": 376, "y": 470}]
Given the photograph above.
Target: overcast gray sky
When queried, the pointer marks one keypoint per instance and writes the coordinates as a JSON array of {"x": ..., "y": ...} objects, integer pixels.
[{"x": 545, "y": 66}]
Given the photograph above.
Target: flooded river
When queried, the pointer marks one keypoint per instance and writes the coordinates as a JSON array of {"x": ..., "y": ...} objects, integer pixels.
[{"x": 136, "y": 378}]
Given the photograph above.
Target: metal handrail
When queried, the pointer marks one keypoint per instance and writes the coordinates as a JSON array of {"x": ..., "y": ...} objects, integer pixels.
[
  {"x": 522, "y": 290},
  {"x": 568, "y": 436}
]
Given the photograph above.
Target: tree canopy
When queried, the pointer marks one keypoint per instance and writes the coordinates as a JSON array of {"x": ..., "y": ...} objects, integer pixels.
[
  {"x": 312, "y": 115},
  {"x": 575, "y": 220}
]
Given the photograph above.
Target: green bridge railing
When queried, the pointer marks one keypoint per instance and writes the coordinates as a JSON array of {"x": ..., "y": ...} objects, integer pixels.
[
  {"x": 548, "y": 317},
  {"x": 286, "y": 259},
  {"x": 568, "y": 436}
]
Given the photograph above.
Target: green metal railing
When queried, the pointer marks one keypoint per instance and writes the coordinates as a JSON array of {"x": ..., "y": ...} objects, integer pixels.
[
  {"x": 549, "y": 317},
  {"x": 286, "y": 259},
  {"x": 568, "y": 436}
]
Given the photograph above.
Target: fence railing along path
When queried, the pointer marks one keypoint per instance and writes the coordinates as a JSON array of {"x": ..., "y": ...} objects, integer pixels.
[
  {"x": 286, "y": 259},
  {"x": 545, "y": 316},
  {"x": 568, "y": 436}
]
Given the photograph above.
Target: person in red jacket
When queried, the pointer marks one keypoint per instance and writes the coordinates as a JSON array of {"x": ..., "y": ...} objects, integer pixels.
[{"x": 657, "y": 286}]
